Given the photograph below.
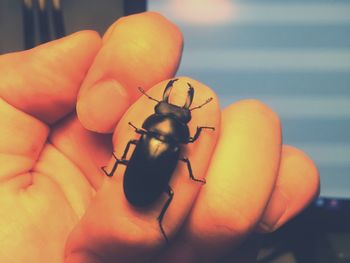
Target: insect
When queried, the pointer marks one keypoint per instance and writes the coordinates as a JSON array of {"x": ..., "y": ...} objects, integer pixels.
[{"x": 157, "y": 152}]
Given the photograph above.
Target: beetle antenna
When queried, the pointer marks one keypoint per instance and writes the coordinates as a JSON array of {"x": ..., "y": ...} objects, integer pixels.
[
  {"x": 200, "y": 106},
  {"x": 148, "y": 96}
]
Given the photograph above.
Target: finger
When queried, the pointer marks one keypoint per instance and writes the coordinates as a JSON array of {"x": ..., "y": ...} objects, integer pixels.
[
  {"x": 38, "y": 86},
  {"x": 240, "y": 179},
  {"x": 297, "y": 185},
  {"x": 111, "y": 227},
  {"x": 138, "y": 51},
  {"x": 44, "y": 81}
]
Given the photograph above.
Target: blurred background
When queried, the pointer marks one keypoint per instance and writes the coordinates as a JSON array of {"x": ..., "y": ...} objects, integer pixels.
[{"x": 293, "y": 55}]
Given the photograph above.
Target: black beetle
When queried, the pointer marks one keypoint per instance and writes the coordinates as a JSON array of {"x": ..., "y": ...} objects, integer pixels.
[{"x": 155, "y": 157}]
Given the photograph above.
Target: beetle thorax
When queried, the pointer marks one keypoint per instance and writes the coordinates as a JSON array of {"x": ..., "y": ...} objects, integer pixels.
[{"x": 167, "y": 128}]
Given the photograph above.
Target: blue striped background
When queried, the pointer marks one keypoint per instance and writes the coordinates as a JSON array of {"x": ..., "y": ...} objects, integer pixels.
[{"x": 304, "y": 76}]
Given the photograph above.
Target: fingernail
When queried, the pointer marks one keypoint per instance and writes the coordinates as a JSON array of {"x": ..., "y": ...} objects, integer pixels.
[
  {"x": 274, "y": 211},
  {"x": 83, "y": 257},
  {"x": 102, "y": 105}
]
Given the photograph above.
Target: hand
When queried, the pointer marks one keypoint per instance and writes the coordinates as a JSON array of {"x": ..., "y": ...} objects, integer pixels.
[{"x": 57, "y": 205}]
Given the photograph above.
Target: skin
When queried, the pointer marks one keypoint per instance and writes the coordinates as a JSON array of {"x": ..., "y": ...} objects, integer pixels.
[{"x": 57, "y": 205}]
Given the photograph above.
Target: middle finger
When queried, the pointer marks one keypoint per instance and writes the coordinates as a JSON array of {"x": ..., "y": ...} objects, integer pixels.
[{"x": 241, "y": 178}]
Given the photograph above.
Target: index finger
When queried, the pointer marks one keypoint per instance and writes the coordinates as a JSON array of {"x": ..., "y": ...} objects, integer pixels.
[
  {"x": 114, "y": 227},
  {"x": 138, "y": 51}
]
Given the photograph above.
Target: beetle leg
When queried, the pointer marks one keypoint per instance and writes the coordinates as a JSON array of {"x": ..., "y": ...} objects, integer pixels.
[
  {"x": 137, "y": 130},
  {"x": 121, "y": 161},
  {"x": 198, "y": 132},
  {"x": 190, "y": 171},
  {"x": 127, "y": 148},
  {"x": 170, "y": 192},
  {"x": 110, "y": 174}
]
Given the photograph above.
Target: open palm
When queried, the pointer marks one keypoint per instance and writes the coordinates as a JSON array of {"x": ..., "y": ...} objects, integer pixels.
[{"x": 56, "y": 202}]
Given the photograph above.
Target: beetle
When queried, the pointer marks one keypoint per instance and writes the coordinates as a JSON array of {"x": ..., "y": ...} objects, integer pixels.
[{"x": 157, "y": 151}]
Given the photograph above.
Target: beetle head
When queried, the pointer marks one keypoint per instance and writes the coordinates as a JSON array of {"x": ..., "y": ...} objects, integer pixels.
[{"x": 165, "y": 108}]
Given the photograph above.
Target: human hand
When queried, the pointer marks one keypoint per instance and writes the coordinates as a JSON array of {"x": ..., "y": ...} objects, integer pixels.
[{"x": 56, "y": 198}]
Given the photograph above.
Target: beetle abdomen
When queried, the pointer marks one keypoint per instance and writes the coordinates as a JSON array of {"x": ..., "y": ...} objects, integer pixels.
[{"x": 149, "y": 170}]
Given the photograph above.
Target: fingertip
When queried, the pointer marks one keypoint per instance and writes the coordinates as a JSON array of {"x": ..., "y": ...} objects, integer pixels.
[
  {"x": 138, "y": 51},
  {"x": 304, "y": 165},
  {"x": 297, "y": 185},
  {"x": 101, "y": 107},
  {"x": 72, "y": 41},
  {"x": 302, "y": 176},
  {"x": 44, "y": 81},
  {"x": 152, "y": 49},
  {"x": 252, "y": 108}
]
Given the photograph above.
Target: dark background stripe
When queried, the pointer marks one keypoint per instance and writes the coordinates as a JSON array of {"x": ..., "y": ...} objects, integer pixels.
[{"x": 254, "y": 83}]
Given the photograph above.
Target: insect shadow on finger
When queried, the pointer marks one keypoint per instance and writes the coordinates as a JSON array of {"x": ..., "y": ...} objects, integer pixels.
[{"x": 157, "y": 151}]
